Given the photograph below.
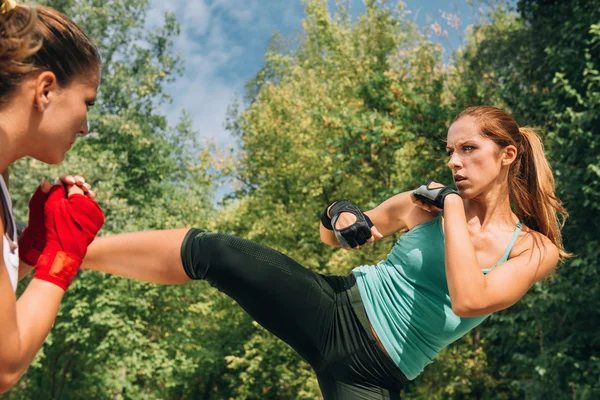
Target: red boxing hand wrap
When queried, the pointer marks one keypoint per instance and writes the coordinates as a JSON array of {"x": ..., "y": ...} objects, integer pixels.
[
  {"x": 71, "y": 225},
  {"x": 57, "y": 268},
  {"x": 29, "y": 250},
  {"x": 33, "y": 238}
]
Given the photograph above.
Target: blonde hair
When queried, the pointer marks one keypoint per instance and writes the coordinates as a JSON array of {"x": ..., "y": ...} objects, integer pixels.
[
  {"x": 531, "y": 184},
  {"x": 39, "y": 38}
]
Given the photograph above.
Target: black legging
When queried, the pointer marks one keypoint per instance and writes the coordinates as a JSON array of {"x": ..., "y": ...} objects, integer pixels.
[{"x": 321, "y": 317}]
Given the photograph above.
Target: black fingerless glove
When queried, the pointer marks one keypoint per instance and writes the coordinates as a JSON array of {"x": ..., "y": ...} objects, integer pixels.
[
  {"x": 354, "y": 235},
  {"x": 325, "y": 218},
  {"x": 433, "y": 196}
]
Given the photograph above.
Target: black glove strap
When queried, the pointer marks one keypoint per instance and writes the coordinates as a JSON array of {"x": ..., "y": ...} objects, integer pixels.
[
  {"x": 325, "y": 218},
  {"x": 433, "y": 196}
]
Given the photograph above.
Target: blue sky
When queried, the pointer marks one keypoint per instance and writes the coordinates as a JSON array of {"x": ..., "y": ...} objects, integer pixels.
[{"x": 223, "y": 43}]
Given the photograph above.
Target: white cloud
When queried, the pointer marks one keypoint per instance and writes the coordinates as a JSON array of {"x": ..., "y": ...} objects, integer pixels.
[
  {"x": 196, "y": 16},
  {"x": 222, "y": 43},
  {"x": 207, "y": 49},
  {"x": 243, "y": 11}
]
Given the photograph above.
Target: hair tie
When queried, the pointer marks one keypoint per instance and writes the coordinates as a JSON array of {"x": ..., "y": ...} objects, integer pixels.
[{"x": 7, "y": 5}]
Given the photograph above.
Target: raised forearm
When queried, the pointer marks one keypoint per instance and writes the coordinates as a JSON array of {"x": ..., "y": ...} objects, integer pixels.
[
  {"x": 466, "y": 282},
  {"x": 151, "y": 256}
]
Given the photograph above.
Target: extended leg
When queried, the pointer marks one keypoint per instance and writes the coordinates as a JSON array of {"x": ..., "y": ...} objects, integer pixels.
[{"x": 289, "y": 300}]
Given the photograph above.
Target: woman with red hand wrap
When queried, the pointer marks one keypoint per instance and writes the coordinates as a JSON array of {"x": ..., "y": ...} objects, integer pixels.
[{"x": 43, "y": 108}]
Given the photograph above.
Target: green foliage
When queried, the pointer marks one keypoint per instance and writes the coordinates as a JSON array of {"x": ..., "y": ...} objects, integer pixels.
[{"x": 356, "y": 108}]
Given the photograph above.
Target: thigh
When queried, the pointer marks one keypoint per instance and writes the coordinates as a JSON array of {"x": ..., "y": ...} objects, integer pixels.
[
  {"x": 287, "y": 299},
  {"x": 365, "y": 371},
  {"x": 335, "y": 389}
]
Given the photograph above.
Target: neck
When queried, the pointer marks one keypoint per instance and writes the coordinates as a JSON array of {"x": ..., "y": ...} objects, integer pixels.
[
  {"x": 491, "y": 207},
  {"x": 13, "y": 129}
]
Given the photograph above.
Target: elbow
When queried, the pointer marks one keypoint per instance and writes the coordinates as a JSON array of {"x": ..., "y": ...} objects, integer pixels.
[
  {"x": 466, "y": 309},
  {"x": 8, "y": 381},
  {"x": 10, "y": 373},
  {"x": 462, "y": 311}
]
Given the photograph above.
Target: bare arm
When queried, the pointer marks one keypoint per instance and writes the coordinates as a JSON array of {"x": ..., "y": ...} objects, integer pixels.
[
  {"x": 24, "y": 324},
  {"x": 473, "y": 293},
  {"x": 151, "y": 256}
]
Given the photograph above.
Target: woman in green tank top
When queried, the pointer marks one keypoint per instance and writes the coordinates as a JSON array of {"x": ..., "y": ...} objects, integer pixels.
[
  {"x": 503, "y": 182},
  {"x": 358, "y": 331}
]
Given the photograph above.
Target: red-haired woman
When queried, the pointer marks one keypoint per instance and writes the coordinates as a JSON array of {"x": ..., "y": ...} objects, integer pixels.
[
  {"x": 368, "y": 333},
  {"x": 49, "y": 73}
]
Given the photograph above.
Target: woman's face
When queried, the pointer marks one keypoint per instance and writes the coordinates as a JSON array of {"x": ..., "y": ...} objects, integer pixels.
[
  {"x": 64, "y": 116},
  {"x": 476, "y": 162}
]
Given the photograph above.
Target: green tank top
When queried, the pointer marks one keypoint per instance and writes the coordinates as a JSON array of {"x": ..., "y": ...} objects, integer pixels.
[{"x": 407, "y": 301}]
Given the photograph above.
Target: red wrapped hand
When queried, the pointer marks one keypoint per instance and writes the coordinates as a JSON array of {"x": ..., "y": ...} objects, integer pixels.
[
  {"x": 33, "y": 238},
  {"x": 71, "y": 224}
]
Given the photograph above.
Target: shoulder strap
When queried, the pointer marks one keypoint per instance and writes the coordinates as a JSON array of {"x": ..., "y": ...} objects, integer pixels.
[
  {"x": 511, "y": 244},
  {"x": 10, "y": 227}
]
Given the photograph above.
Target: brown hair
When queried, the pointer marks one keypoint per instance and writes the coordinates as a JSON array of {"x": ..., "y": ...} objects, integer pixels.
[
  {"x": 530, "y": 182},
  {"x": 39, "y": 38}
]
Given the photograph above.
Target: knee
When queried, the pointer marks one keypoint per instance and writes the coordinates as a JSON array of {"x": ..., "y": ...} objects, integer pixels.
[
  {"x": 196, "y": 253},
  {"x": 203, "y": 250}
]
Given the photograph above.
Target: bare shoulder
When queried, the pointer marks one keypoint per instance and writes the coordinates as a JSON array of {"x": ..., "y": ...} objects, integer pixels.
[{"x": 538, "y": 251}]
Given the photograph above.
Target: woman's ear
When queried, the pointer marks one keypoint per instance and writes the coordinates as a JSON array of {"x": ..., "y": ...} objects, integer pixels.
[
  {"x": 509, "y": 154},
  {"x": 45, "y": 86}
]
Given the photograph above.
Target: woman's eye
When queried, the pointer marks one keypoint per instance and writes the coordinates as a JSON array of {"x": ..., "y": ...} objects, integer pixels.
[
  {"x": 90, "y": 104},
  {"x": 468, "y": 148}
]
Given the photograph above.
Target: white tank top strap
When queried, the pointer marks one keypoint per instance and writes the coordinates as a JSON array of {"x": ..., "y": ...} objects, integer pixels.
[{"x": 10, "y": 252}]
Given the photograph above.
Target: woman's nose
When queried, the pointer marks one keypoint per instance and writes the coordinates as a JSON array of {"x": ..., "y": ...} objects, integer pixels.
[
  {"x": 454, "y": 161},
  {"x": 85, "y": 129}
]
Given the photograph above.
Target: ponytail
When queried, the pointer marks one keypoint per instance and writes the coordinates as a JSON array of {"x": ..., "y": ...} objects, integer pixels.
[
  {"x": 531, "y": 184},
  {"x": 532, "y": 190}
]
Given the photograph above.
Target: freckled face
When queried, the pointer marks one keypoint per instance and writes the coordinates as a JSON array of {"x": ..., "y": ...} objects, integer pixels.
[
  {"x": 474, "y": 160},
  {"x": 64, "y": 118}
]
